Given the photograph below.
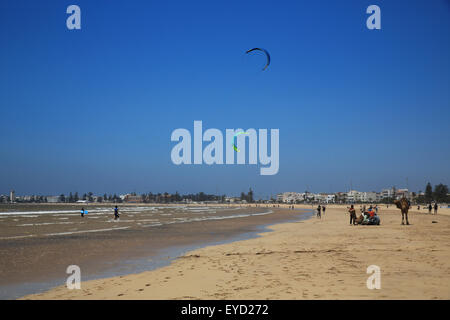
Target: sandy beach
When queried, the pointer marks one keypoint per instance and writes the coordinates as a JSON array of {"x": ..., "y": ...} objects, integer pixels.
[
  {"x": 39, "y": 242},
  {"x": 312, "y": 259}
]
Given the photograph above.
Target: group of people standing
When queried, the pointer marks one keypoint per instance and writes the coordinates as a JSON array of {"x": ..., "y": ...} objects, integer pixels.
[
  {"x": 116, "y": 213},
  {"x": 319, "y": 210},
  {"x": 430, "y": 207}
]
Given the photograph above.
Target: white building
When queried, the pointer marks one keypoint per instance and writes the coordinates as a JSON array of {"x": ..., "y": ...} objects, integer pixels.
[
  {"x": 387, "y": 193},
  {"x": 331, "y": 198},
  {"x": 232, "y": 199},
  {"x": 310, "y": 197},
  {"x": 402, "y": 193},
  {"x": 354, "y": 196},
  {"x": 368, "y": 196},
  {"x": 53, "y": 199},
  {"x": 320, "y": 197},
  {"x": 379, "y": 196},
  {"x": 293, "y": 197}
]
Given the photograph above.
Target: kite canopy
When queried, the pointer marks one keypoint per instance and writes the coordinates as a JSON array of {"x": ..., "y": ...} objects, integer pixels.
[
  {"x": 263, "y": 50},
  {"x": 234, "y": 138}
]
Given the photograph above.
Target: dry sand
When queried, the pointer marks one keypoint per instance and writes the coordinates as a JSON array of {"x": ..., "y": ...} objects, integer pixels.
[{"x": 312, "y": 259}]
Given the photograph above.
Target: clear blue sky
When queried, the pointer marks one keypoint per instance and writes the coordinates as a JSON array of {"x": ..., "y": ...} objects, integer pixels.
[{"x": 93, "y": 110}]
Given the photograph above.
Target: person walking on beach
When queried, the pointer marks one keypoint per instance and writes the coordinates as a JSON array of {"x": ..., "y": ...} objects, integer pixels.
[
  {"x": 319, "y": 210},
  {"x": 352, "y": 212},
  {"x": 429, "y": 208},
  {"x": 82, "y": 212},
  {"x": 323, "y": 210},
  {"x": 435, "y": 207},
  {"x": 116, "y": 213}
]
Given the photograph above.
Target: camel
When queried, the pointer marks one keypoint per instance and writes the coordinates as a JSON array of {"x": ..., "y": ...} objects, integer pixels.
[{"x": 403, "y": 205}]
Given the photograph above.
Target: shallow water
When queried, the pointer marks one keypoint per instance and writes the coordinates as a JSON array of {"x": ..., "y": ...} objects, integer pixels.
[
  {"x": 163, "y": 257},
  {"x": 18, "y": 224}
]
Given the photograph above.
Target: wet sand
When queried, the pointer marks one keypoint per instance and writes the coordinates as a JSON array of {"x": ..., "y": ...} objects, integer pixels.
[
  {"x": 312, "y": 259},
  {"x": 43, "y": 258}
]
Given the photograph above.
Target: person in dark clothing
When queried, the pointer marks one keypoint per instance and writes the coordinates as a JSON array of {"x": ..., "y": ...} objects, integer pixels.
[
  {"x": 82, "y": 212},
  {"x": 323, "y": 210},
  {"x": 319, "y": 210},
  {"x": 116, "y": 213},
  {"x": 429, "y": 208},
  {"x": 435, "y": 208},
  {"x": 352, "y": 212}
]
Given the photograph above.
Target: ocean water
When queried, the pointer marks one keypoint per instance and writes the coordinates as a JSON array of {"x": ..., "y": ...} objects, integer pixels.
[
  {"x": 62, "y": 222},
  {"x": 132, "y": 217}
]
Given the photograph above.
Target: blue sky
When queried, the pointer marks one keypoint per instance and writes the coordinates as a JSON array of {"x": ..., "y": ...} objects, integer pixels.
[{"x": 93, "y": 109}]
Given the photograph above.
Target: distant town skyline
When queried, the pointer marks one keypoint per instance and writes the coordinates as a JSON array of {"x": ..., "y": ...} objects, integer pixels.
[
  {"x": 375, "y": 194},
  {"x": 234, "y": 192},
  {"x": 440, "y": 193}
]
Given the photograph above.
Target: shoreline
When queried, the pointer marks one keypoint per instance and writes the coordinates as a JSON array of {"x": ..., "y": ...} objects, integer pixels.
[
  {"x": 309, "y": 259},
  {"x": 134, "y": 251}
]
